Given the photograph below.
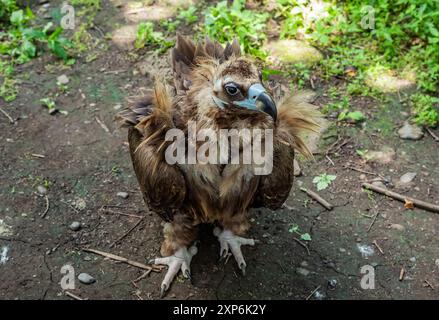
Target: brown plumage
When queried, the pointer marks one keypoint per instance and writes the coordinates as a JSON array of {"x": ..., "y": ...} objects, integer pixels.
[{"x": 185, "y": 195}]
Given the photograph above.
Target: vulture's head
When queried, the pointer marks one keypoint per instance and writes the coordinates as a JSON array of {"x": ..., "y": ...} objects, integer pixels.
[
  {"x": 219, "y": 77},
  {"x": 238, "y": 83}
]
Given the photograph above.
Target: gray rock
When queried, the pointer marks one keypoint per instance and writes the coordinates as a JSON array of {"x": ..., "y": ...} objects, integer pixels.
[
  {"x": 379, "y": 184},
  {"x": 75, "y": 226},
  {"x": 410, "y": 132},
  {"x": 63, "y": 79},
  {"x": 342, "y": 250},
  {"x": 412, "y": 259},
  {"x": 85, "y": 278},
  {"x": 304, "y": 264},
  {"x": 397, "y": 227},
  {"x": 123, "y": 195},
  {"x": 42, "y": 190},
  {"x": 384, "y": 156},
  {"x": 407, "y": 177},
  {"x": 332, "y": 284},
  {"x": 302, "y": 271}
]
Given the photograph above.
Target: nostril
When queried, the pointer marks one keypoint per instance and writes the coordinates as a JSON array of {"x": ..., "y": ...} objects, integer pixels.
[{"x": 254, "y": 97}]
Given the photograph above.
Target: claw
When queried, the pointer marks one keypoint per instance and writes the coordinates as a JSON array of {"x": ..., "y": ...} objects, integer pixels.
[
  {"x": 151, "y": 261},
  {"x": 163, "y": 290},
  {"x": 187, "y": 274},
  {"x": 242, "y": 267}
]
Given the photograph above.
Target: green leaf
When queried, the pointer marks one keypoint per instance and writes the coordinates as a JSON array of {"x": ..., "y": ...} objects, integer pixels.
[
  {"x": 305, "y": 237},
  {"x": 17, "y": 17},
  {"x": 28, "y": 48}
]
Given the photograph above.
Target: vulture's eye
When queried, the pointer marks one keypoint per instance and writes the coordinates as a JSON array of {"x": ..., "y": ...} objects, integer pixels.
[{"x": 231, "y": 89}]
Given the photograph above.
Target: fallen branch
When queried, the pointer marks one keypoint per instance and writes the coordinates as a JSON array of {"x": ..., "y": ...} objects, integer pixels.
[
  {"x": 317, "y": 198},
  {"x": 12, "y": 121},
  {"x": 378, "y": 247},
  {"x": 125, "y": 260},
  {"x": 418, "y": 203}
]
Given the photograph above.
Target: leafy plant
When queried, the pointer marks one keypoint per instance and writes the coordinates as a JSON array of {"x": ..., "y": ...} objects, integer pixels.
[
  {"x": 147, "y": 36},
  {"x": 303, "y": 236},
  {"x": 424, "y": 111},
  {"x": 225, "y": 23},
  {"x": 355, "y": 116},
  {"x": 188, "y": 15},
  {"x": 323, "y": 181},
  {"x": 49, "y": 104}
]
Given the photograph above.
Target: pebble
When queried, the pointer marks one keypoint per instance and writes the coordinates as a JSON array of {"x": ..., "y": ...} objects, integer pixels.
[
  {"x": 123, "y": 195},
  {"x": 410, "y": 132},
  {"x": 397, "y": 226},
  {"x": 75, "y": 226},
  {"x": 42, "y": 190},
  {"x": 437, "y": 262},
  {"x": 407, "y": 177},
  {"x": 304, "y": 264},
  {"x": 412, "y": 259},
  {"x": 85, "y": 278},
  {"x": 63, "y": 79},
  {"x": 342, "y": 250},
  {"x": 302, "y": 271},
  {"x": 332, "y": 284},
  {"x": 379, "y": 184}
]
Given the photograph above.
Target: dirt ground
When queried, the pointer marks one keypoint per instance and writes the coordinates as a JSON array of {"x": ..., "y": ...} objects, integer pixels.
[{"x": 84, "y": 164}]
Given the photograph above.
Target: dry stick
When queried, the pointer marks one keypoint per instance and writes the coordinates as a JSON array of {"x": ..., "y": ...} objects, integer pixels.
[
  {"x": 144, "y": 275},
  {"x": 435, "y": 137},
  {"x": 126, "y": 233},
  {"x": 125, "y": 260},
  {"x": 47, "y": 207},
  {"x": 429, "y": 284},
  {"x": 71, "y": 295},
  {"x": 303, "y": 245},
  {"x": 7, "y": 116},
  {"x": 418, "y": 203},
  {"x": 401, "y": 274},
  {"x": 373, "y": 221},
  {"x": 102, "y": 125},
  {"x": 364, "y": 171},
  {"x": 318, "y": 198},
  {"x": 378, "y": 247},
  {"x": 312, "y": 293}
]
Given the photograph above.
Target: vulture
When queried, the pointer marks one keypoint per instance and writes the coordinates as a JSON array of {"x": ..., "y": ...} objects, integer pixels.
[{"x": 219, "y": 109}]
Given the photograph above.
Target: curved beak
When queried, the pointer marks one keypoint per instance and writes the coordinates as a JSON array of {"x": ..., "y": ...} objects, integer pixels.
[{"x": 259, "y": 99}]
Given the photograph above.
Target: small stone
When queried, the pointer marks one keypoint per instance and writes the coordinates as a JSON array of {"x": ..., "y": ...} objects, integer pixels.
[
  {"x": 362, "y": 176},
  {"x": 410, "y": 132},
  {"x": 63, "y": 79},
  {"x": 397, "y": 227},
  {"x": 123, "y": 195},
  {"x": 342, "y": 250},
  {"x": 265, "y": 235},
  {"x": 87, "y": 258},
  {"x": 302, "y": 271},
  {"x": 379, "y": 184},
  {"x": 332, "y": 284},
  {"x": 383, "y": 156},
  {"x": 79, "y": 204},
  {"x": 407, "y": 177},
  {"x": 304, "y": 264},
  {"x": 412, "y": 259},
  {"x": 75, "y": 226},
  {"x": 85, "y": 278},
  {"x": 437, "y": 262},
  {"x": 42, "y": 190}
]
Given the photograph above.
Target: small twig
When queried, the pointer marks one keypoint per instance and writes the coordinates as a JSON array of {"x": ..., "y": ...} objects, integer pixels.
[
  {"x": 401, "y": 274},
  {"x": 71, "y": 206},
  {"x": 418, "y": 203},
  {"x": 47, "y": 207},
  {"x": 435, "y": 137},
  {"x": 36, "y": 155},
  {"x": 144, "y": 275},
  {"x": 429, "y": 284},
  {"x": 318, "y": 198},
  {"x": 303, "y": 245},
  {"x": 312, "y": 293},
  {"x": 126, "y": 233},
  {"x": 378, "y": 247},
  {"x": 330, "y": 160},
  {"x": 11, "y": 120},
  {"x": 364, "y": 171},
  {"x": 136, "y": 264},
  {"x": 373, "y": 221},
  {"x": 74, "y": 296},
  {"x": 103, "y": 125}
]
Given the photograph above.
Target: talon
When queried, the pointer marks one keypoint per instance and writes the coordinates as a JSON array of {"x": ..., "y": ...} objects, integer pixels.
[
  {"x": 151, "y": 261},
  {"x": 163, "y": 290},
  {"x": 242, "y": 267},
  {"x": 187, "y": 274}
]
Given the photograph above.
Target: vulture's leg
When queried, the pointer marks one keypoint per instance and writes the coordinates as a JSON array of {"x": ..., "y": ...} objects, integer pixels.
[
  {"x": 228, "y": 240},
  {"x": 178, "y": 249},
  {"x": 180, "y": 260}
]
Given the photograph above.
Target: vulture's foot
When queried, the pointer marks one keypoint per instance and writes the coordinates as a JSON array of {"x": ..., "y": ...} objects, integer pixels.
[
  {"x": 230, "y": 241},
  {"x": 180, "y": 260}
]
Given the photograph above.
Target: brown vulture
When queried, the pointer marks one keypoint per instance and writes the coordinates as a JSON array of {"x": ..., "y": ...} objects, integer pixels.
[{"x": 217, "y": 90}]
